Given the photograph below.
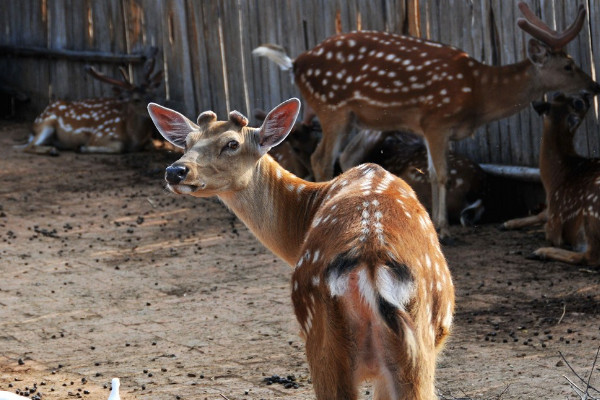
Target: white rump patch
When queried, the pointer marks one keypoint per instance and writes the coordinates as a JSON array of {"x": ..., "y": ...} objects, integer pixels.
[{"x": 396, "y": 292}]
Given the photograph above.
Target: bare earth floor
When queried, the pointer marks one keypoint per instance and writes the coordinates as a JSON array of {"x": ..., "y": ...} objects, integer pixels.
[{"x": 104, "y": 274}]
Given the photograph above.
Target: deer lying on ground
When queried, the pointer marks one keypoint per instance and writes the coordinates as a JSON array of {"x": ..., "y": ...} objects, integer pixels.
[
  {"x": 371, "y": 288},
  {"x": 384, "y": 81},
  {"x": 405, "y": 155},
  {"x": 99, "y": 125},
  {"x": 572, "y": 185}
]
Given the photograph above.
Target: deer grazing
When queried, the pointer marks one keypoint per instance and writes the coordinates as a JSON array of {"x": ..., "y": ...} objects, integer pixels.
[
  {"x": 99, "y": 125},
  {"x": 384, "y": 81},
  {"x": 571, "y": 182},
  {"x": 370, "y": 288}
]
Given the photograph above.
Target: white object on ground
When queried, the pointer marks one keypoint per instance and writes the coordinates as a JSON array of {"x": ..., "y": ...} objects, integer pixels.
[
  {"x": 114, "y": 392},
  {"x": 11, "y": 396}
]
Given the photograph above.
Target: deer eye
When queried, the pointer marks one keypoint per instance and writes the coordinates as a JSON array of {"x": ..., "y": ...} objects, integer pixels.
[
  {"x": 231, "y": 145},
  {"x": 569, "y": 67}
]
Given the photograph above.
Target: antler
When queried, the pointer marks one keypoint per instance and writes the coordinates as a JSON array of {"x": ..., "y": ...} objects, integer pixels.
[
  {"x": 539, "y": 30},
  {"x": 101, "y": 77}
]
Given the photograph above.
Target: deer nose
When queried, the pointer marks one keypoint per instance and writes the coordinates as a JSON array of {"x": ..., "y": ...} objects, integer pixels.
[{"x": 174, "y": 174}]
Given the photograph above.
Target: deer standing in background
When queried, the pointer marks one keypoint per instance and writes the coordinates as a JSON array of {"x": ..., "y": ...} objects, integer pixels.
[
  {"x": 99, "y": 125},
  {"x": 371, "y": 288},
  {"x": 571, "y": 182},
  {"x": 384, "y": 81}
]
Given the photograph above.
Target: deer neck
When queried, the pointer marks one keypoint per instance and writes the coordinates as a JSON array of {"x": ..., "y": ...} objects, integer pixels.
[
  {"x": 277, "y": 207},
  {"x": 556, "y": 154},
  {"x": 507, "y": 89}
]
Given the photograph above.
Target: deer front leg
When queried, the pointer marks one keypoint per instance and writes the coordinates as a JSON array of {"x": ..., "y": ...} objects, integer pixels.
[
  {"x": 335, "y": 126},
  {"x": 438, "y": 175},
  {"x": 519, "y": 223},
  {"x": 562, "y": 255},
  {"x": 40, "y": 142}
]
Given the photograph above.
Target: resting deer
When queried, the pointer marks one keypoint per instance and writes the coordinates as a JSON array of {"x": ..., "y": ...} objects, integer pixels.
[
  {"x": 371, "y": 288},
  {"x": 571, "y": 182},
  {"x": 405, "y": 155},
  {"x": 99, "y": 125},
  {"x": 384, "y": 81}
]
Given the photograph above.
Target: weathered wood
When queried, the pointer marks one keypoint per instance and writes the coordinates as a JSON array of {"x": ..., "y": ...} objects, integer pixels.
[{"x": 205, "y": 47}]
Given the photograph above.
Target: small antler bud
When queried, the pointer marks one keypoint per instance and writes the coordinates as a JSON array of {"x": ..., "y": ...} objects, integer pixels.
[
  {"x": 206, "y": 117},
  {"x": 237, "y": 118}
]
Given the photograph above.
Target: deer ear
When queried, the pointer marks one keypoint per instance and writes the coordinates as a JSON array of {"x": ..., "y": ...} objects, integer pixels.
[
  {"x": 537, "y": 52},
  {"x": 172, "y": 125},
  {"x": 278, "y": 124},
  {"x": 541, "y": 107}
]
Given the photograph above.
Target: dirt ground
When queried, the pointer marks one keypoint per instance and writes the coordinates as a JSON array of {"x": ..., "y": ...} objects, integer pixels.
[{"x": 104, "y": 274}]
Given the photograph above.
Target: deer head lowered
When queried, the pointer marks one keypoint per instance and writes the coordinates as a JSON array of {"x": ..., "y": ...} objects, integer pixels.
[
  {"x": 99, "y": 125},
  {"x": 385, "y": 81},
  {"x": 370, "y": 288}
]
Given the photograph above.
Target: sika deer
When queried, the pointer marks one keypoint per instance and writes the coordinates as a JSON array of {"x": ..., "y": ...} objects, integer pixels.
[
  {"x": 370, "y": 288},
  {"x": 385, "y": 81},
  {"x": 571, "y": 182},
  {"x": 99, "y": 125}
]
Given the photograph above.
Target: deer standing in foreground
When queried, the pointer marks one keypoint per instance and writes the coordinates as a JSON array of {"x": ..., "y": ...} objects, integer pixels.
[
  {"x": 99, "y": 125},
  {"x": 571, "y": 182},
  {"x": 384, "y": 81},
  {"x": 371, "y": 288}
]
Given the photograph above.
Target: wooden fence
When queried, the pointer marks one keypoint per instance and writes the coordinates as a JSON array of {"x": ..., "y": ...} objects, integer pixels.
[{"x": 205, "y": 49}]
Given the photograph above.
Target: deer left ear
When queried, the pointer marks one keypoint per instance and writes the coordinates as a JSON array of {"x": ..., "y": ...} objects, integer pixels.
[
  {"x": 172, "y": 125},
  {"x": 278, "y": 124}
]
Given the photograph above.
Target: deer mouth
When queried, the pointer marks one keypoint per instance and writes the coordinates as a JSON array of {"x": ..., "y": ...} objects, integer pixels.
[{"x": 184, "y": 189}]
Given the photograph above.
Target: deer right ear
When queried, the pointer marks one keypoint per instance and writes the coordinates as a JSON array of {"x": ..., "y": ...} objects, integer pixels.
[
  {"x": 172, "y": 125},
  {"x": 278, "y": 124}
]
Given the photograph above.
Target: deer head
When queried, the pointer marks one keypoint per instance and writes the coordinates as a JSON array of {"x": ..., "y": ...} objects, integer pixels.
[
  {"x": 556, "y": 70},
  {"x": 219, "y": 155}
]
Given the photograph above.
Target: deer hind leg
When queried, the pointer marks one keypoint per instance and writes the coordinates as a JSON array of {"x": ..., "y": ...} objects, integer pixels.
[
  {"x": 438, "y": 175},
  {"x": 410, "y": 369},
  {"x": 331, "y": 355},
  {"x": 335, "y": 127}
]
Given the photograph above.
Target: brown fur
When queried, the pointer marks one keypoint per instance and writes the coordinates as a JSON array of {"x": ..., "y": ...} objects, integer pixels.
[{"x": 371, "y": 288}]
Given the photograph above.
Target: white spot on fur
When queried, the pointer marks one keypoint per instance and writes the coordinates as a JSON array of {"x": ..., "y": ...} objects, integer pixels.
[{"x": 394, "y": 291}]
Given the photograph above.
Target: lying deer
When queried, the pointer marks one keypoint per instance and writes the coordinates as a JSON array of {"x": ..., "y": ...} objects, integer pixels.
[
  {"x": 405, "y": 155},
  {"x": 571, "y": 182},
  {"x": 390, "y": 82},
  {"x": 99, "y": 125},
  {"x": 371, "y": 288}
]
